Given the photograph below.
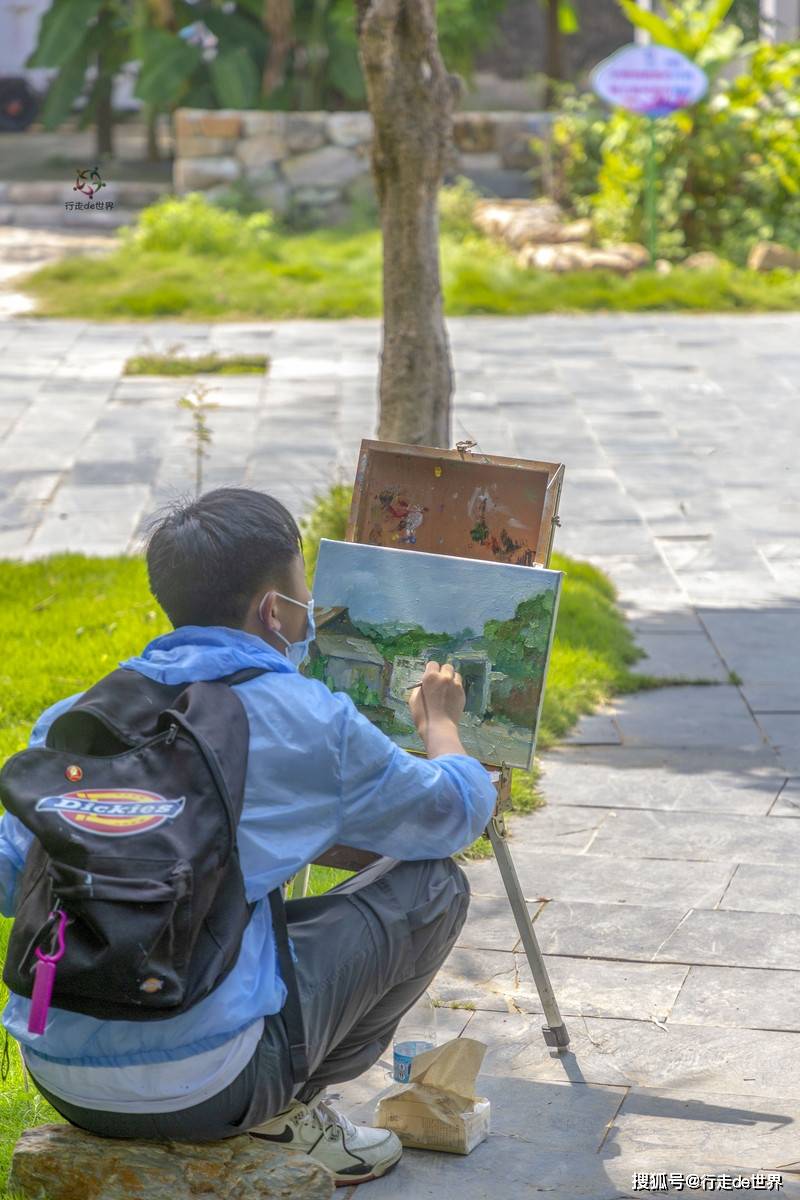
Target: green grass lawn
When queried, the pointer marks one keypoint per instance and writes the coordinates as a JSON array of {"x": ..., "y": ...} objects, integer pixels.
[
  {"x": 66, "y": 620},
  {"x": 334, "y": 273}
]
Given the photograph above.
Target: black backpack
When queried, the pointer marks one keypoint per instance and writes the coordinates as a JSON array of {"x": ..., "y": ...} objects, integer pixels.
[{"x": 134, "y": 802}]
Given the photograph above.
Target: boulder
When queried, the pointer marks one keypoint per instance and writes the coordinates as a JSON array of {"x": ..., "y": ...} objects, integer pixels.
[
  {"x": 274, "y": 195},
  {"x": 518, "y": 222},
  {"x": 350, "y": 128},
  {"x": 261, "y": 149},
  {"x": 63, "y": 1162},
  {"x": 663, "y": 266},
  {"x": 196, "y": 122},
  {"x": 263, "y": 124},
  {"x": 769, "y": 256},
  {"x": 575, "y": 256},
  {"x": 703, "y": 260},
  {"x": 305, "y": 131},
  {"x": 198, "y": 146},
  {"x": 190, "y": 174},
  {"x": 330, "y": 167}
]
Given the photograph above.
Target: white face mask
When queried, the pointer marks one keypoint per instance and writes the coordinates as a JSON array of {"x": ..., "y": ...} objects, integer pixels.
[{"x": 296, "y": 652}]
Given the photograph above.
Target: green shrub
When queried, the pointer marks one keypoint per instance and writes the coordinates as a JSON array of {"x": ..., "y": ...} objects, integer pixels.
[
  {"x": 194, "y": 225},
  {"x": 728, "y": 169},
  {"x": 456, "y": 205}
]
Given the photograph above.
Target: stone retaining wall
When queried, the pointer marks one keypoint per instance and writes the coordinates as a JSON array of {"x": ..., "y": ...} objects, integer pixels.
[{"x": 320, "y": 161}]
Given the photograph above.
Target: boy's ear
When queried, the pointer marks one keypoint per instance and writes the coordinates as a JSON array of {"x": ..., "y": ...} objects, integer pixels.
[{"x": 267, "y": 613}]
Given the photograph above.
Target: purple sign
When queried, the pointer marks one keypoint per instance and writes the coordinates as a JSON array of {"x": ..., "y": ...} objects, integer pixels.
[{"x": 650, "y": 80}]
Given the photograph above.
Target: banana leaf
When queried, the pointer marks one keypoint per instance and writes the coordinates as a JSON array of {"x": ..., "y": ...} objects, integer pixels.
[
  {"x": 235, "y": 79},
  {"x": 167, "y": 65},
  {"x": 62, "y": 30}
]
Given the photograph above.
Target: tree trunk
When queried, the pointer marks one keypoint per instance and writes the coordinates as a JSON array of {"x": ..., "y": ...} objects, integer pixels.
[
  {"x": 151, "y": 124},
  {"x": 104, "y": 113},
  {"x": 410, "y": 97},
  {"x": 278, "y": 21},
  {"x": 553, "y": 63}
]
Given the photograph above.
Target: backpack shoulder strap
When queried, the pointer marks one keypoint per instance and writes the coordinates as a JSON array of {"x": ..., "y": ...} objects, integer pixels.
[
  {"x": 243, "y": 675},
  {"x": 291, "y": 1012}
]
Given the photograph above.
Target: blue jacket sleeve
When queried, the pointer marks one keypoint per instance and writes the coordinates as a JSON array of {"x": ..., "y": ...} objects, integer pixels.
[{"x": 401, "y": 804}]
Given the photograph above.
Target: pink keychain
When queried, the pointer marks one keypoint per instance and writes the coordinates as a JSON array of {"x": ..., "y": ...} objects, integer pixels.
[{"x": 45, "y": 978}]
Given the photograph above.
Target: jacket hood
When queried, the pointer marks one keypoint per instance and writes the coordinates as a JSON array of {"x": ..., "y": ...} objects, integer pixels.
[{"x": 197, "y": 652}]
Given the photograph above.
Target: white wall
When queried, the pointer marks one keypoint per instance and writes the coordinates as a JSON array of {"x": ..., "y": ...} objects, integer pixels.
[{"x": 19, "y": 29}]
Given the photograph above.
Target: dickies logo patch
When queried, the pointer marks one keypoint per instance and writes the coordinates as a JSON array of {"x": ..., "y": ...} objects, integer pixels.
[{"x": 113, "y": 812}]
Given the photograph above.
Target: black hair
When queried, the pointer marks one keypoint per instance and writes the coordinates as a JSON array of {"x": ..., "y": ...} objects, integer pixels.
[{"x": 207, "y": 557}]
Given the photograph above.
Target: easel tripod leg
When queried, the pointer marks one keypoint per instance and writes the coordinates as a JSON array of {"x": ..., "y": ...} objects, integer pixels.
[{"x": 555, "y": 1031}]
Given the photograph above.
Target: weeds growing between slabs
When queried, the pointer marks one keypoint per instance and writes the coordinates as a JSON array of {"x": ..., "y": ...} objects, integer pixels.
[{"x": 66, "y": 620}]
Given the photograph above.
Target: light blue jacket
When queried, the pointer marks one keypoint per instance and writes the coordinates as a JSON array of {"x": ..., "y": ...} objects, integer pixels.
[{"x": 318, "y": 774}]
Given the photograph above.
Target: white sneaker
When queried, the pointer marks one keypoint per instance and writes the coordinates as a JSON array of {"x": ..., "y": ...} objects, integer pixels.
[{"x": 353, "y": 1153}]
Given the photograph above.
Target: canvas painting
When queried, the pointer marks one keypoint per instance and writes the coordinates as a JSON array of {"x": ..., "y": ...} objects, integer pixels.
[{"x": 382, "y": 614}]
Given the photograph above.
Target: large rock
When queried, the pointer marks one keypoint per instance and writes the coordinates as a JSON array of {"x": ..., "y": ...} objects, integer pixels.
[
  {"x": 350, "y": 128},
  {"x": 196, "y": 122},
  {"x": 274, "y": 195},
  {"x": 256, "y": 123},
  {"x": 519, "y": 222},
  {"x": 264, "y": 148},
  {"x": 769, "y": 256},
  {"x": 305, "y": 131},
  {"x": 332, "y": 166},
  {"x": 63, "y": 1162},
  {"x": 703, "y": 260},
  {"x": 190, "y": 174},
  {"x": 575, "y": 256}
]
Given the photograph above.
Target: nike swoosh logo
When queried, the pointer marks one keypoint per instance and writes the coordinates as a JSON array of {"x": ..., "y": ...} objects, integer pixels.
[{"x": 286, "y": 1136}]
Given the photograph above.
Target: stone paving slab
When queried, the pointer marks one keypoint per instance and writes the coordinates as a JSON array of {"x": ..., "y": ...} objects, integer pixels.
[
  {"x": 490, "y": 924},
  {"x": 502, "y": 982},
  {"x": 753, "y": 1131},
  {"x": 686, "y": 717},
  {"x": 763, "y": 889},
  {"x": 761, "y": 647},
  {"x": 788, "y": 802},
  {"x": 783, "y": 731},
  {"x": 680, "y": 656},
  {"x": 736, "y": 939},
  {"x": 716, "y": 838},
  {"x": 618, "y": 880},
  {"x": 689, "y": 1059},
  {"x": 739, "y": 997},
  {"x": 622, "y": 931},
  {"x": 689, "y": 780},
  {"x": 596, "y": 729}
]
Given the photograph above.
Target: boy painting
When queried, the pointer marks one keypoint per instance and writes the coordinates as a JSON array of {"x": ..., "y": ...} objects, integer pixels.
[{"x": 227, "y": 569}]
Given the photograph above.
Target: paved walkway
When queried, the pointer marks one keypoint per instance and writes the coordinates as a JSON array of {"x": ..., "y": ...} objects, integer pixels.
[{"x": 662, "y": 875}]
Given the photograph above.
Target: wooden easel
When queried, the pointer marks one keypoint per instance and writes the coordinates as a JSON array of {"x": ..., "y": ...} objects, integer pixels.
[{"x": 347, "y": 858}]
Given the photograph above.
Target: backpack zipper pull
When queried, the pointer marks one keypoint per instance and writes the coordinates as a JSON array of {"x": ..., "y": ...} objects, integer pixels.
[
  {"x": 173, "y": 733},
  {"x": 45, "y": 978}
]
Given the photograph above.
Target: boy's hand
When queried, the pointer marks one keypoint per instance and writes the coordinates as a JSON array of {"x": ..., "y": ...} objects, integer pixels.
[{"x": 438, "y": 703}]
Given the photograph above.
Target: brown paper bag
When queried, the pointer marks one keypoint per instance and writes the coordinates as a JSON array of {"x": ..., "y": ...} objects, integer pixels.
[{"x": 438, "y": 1109}]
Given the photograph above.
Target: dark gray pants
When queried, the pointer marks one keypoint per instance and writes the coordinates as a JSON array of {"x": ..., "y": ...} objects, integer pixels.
[{"x": 366, "y": 951}]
